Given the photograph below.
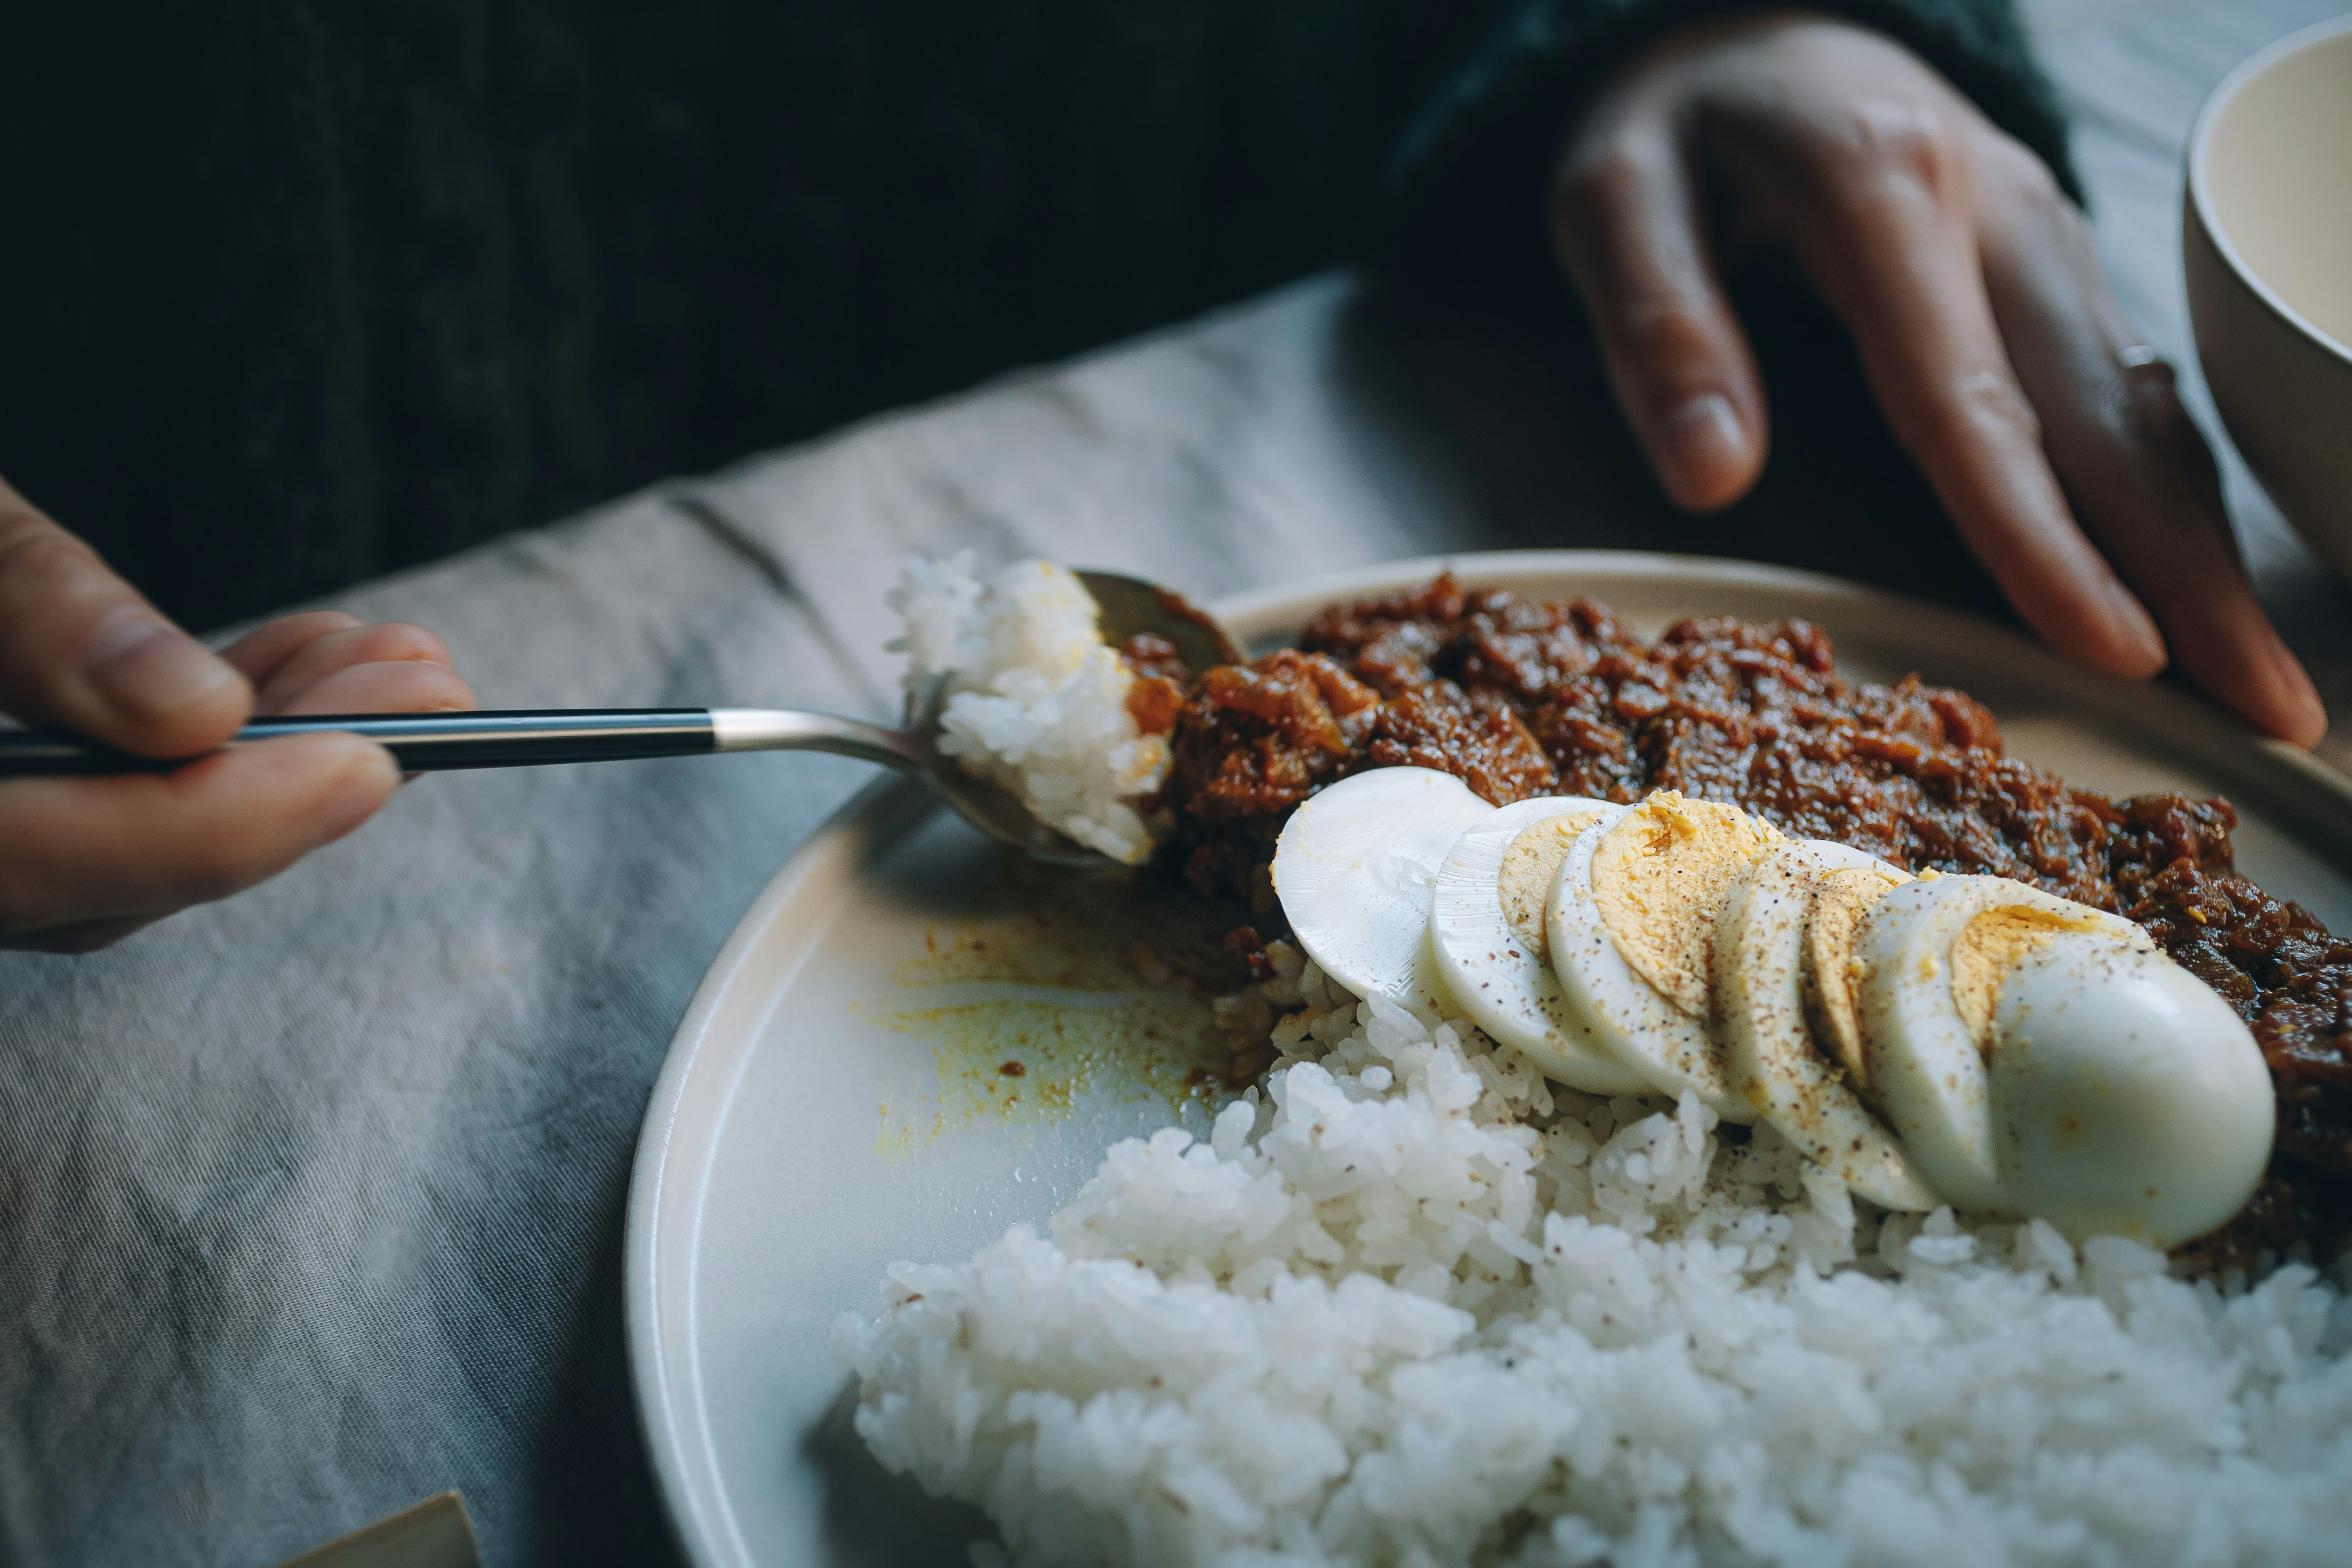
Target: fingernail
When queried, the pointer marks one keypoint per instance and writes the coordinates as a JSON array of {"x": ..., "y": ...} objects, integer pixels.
[
  {"x": 367, "y": 781},
  {"x": 2132, "y": 620},
  {"x": 1700, "y": 444},
  {"x": 145, "y": 667}
]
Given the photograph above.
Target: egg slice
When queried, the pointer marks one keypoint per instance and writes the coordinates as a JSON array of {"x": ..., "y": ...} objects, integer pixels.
[
  {"x": 2126, "y": 1098},
  {"x": 1486, "y": 925},
  {"x": 1763, "y": 1021},
  {"x": 1355, "y": 869},
  {"x": 1841, "y": 895},
  {"x": 1933, "y": 957},
  {"x": 1632, "y": 923}
]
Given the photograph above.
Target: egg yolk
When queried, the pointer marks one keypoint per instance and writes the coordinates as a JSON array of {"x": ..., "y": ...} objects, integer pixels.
[
  {"x": 1530, "y": 865},
  {"x": 1840, "y": 898},
  {"x": 1987, "y": 948},
  {"x": 1659, "y": 875}
]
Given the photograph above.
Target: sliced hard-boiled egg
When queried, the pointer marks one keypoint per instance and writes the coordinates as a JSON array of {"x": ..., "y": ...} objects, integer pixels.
[
  {"x": 1843, "y": 894},
  {"x": 1933, "y": 956},
  {"x": 1486, "y": 925},
  {"x": 1769, "y": 1043},
  {"x": 1355, "y": 869},
  {"x": 1631, "y": 922},
  {"x": 2126, "y": 1098}
]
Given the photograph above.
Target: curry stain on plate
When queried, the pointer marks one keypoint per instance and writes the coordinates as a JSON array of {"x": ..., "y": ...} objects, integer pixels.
[{"x": 1030, "y": 1010}]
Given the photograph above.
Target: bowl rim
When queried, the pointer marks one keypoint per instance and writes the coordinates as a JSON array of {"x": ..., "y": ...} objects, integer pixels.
[{"x": 2200, "y": 198}]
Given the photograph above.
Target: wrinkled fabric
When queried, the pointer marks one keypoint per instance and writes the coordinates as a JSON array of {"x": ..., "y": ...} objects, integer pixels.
[{"x": 310, "y": 1201}]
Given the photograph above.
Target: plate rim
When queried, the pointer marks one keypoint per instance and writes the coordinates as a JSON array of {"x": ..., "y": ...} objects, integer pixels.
[
  {"x": 693, "y": 1500},
  {"x": 2170, "y": 723}
]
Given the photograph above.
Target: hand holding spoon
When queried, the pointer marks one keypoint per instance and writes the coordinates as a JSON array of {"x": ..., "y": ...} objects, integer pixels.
[{"x": 431, "y": 742}]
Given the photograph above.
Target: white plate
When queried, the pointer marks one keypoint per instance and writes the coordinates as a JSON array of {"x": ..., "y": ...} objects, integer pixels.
[{"x": 832, "y": 1103}]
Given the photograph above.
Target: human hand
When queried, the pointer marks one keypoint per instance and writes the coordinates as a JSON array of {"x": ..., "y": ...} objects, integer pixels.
[
  {"x": 1996, "y": 349},
  {"x": 86, "y": 861}
]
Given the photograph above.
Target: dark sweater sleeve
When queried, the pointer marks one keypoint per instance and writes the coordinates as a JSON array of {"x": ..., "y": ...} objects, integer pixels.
[{"x": 1468, "y": 178}]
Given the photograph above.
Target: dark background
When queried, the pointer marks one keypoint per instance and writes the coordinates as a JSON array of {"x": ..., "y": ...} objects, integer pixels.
[{"x": 293, "y": 294}]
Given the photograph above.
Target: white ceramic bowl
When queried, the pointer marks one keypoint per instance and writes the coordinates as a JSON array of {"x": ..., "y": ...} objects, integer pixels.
[{"x": 2267, "y": 245}]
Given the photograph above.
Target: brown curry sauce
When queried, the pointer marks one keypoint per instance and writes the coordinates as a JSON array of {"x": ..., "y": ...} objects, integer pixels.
[{"x": 1521, "y": 699}]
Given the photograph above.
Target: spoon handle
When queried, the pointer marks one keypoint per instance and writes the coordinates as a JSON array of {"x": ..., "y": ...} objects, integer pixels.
[{"x": 429, "y": 742}]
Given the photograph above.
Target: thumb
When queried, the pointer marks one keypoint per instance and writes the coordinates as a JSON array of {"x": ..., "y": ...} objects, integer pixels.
[{"x": 80, "y": 647}]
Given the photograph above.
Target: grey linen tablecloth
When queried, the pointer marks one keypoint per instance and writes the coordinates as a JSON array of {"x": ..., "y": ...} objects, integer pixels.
[{"x": 310, "y": 1201}]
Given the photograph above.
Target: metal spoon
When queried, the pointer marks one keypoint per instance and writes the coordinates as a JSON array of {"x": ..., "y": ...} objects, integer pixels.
[{"x": 426, "y": 742}]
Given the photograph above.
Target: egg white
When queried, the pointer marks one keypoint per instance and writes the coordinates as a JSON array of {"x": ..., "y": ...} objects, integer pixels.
[
  {"x": 2125, "y": 1097},
  {"x": 1926, "y": 1066},
  {"x": 1355, "y": 869},
  {"x": 1488, "y": 966},
  {"x": 1624, "y": 1013},
  {"x": 1774, "y": 1063}
]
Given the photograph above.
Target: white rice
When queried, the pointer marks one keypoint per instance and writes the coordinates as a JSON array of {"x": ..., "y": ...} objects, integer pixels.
[
  {"x": 1035, "y": 700},
  {"x": 1415, "y": 1305}
]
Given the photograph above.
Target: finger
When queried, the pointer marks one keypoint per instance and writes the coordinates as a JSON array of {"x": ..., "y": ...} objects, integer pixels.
[
  {"x": 1626, "y": 225},
  {"x": 388, "y": 642},
  {"x": 2140, "y": 475},
  {"x": 1880, "y": 218},
  {"x": 404, "y": 686},
  {"x": 83, "y": 936},
  {"x": 86, "y": 850},
  {"x": 259, "y": 654},
  {"x": 79, "y": 647}
]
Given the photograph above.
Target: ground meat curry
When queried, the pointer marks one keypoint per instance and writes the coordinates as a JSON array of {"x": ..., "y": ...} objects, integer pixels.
[{"x": 1522, "y": 699}]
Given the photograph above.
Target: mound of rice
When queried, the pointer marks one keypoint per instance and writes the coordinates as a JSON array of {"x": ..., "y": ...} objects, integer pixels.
[
  {"x": 1035, "y": 700},
  {"x": 1413, "y": 1305}
]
